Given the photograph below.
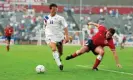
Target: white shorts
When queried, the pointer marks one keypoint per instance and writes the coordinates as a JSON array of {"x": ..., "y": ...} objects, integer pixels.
[{"x": 53, "y": 39}]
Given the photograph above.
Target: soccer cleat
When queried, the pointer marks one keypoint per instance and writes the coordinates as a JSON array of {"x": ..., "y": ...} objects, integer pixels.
[
  {"x": 69, "y": 57},
  {"x": 95, "y": 69},
  {"x": 61, "y": 67}
]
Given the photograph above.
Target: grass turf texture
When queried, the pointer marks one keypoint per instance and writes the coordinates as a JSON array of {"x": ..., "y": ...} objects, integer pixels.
[{"x": 20, "y": 63}]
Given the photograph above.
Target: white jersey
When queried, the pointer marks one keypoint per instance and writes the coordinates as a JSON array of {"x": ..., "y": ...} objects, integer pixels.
[{"x": 54, "y": 27}]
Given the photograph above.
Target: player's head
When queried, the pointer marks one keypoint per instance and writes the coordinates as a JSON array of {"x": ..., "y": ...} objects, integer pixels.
[
  {"x": 53, "y": 8},
  {"x": 110, "y": 32}
]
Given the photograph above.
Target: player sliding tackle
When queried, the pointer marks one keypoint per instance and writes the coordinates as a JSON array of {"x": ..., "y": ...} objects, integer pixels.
[
  {"x": 54, "y": 26},
  {"x": 96, "y": 45}
]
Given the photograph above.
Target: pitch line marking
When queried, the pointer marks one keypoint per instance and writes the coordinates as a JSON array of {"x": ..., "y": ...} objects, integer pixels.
[{"x": 107, "y": 70}]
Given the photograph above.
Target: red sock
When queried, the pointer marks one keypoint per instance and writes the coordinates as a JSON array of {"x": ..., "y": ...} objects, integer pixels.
[
  {"x": 97, "y": 62},
  {"x": 74, "y": 55}
]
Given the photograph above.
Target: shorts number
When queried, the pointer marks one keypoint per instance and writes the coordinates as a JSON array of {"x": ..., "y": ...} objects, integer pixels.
[{"x": 51, "y": 22}]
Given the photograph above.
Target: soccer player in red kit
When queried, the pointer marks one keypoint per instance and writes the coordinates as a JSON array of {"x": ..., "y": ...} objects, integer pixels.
[
  {"x": 8, "y": 33},
  {"x": 101, "y": 39}
]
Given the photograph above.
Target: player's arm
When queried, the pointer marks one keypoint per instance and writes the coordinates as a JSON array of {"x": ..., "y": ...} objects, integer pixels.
[
  {"x": 116, "y": 58},
  {"x": 112, "y": 47},
  {"x": 64, "y": 24},
  {"x": 66, "y": 34},
  {"x": 95, "y": 24}
]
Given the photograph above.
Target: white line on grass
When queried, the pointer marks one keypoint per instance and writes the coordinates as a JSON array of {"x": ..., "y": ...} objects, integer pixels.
[{"x": 107, "y": 70}]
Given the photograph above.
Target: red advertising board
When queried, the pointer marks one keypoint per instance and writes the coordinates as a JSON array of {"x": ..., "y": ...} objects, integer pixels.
[
  {"x": 44, "y": 8},
  {"x": 96, "y": 10}
]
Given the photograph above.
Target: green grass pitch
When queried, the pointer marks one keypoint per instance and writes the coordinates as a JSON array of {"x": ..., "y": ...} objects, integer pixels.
[{"x": 20, "y": 63}]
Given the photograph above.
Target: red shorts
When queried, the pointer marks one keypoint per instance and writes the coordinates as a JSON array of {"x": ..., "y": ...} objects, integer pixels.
[{"x": 8, "y": 38}]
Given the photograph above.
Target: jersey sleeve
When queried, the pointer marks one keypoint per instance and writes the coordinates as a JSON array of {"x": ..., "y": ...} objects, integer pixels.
[
  {"x": 45, "y": 20},
  {"x": 64, "y": 23},
  {"x": 111, "y": 45},
  {"x": 102, "y": 28}
]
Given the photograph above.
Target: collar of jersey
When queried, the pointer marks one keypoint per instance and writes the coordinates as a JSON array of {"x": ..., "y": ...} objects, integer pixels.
[{"x": 53, "y": 16}]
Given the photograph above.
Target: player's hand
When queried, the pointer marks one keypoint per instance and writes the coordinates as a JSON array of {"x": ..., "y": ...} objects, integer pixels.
[{"x": 119, "y": 66}]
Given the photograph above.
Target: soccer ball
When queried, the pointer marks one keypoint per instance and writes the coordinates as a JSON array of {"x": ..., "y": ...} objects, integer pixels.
[{"x": 40, "y": 69}]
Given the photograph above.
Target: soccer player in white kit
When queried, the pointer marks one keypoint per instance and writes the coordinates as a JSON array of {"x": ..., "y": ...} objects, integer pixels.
[{"x": 56, "y": 32}]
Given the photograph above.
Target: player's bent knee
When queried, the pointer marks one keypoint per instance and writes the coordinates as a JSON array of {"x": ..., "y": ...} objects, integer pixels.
[
  {"x": 53, "y": 49},
  {"x": 101, "y": 52}
]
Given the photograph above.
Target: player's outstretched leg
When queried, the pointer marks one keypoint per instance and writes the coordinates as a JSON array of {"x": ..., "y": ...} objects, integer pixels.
[
  {"x": 100, "y": 52},
  {"x": 78, "y": 52}
]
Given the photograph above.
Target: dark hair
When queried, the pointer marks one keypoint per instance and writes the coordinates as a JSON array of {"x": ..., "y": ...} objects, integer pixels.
[
  {"x": 52, "y": 5},
  {"x": 111, "y": 30}
]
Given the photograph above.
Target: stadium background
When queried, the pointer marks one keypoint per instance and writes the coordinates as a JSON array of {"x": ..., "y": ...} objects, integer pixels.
[{"x": 26, "y": 16}]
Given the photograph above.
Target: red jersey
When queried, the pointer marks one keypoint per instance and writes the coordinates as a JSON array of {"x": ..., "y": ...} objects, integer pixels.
[
  {"x": 8, "y": 31},
  {"x": 100, "y": 40}
]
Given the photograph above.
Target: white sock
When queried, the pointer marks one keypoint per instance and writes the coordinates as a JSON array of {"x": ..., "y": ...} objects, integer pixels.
[{"x": 56, "y": 57}]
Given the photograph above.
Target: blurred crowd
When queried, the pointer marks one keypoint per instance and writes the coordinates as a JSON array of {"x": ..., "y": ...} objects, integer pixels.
[{"x": 28, "y": 25}]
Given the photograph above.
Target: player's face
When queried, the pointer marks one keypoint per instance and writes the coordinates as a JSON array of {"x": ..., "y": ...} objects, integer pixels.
[
  {"x": 108, "y": 35},
  {"x": 53, "y": 10}
]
